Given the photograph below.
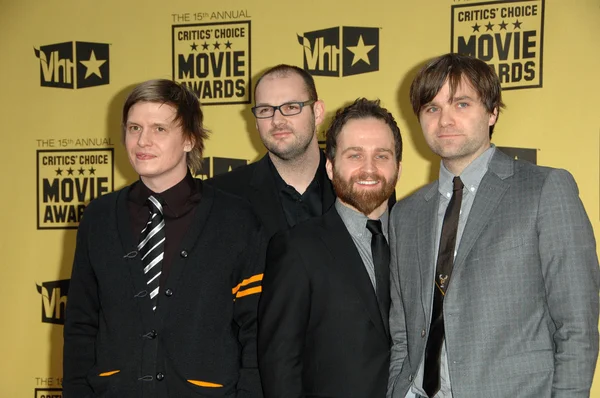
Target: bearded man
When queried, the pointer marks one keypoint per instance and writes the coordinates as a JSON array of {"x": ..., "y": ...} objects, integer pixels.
[{"x": 323, "y": 314}]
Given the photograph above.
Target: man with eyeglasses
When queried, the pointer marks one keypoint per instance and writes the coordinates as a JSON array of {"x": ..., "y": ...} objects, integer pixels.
[{"x": 289, "y": 184}]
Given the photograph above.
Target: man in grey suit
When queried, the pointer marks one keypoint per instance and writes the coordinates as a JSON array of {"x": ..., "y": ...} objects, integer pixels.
[{"x": 510, "y": 309}]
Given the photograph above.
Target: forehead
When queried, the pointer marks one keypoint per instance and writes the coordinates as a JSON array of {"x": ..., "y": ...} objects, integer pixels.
[
  {"x": 464, "y": 88},
  {"x": 365, "y": 133},
  {"x": 151, "y": 112},
  {"x": 277, "y": 89}
]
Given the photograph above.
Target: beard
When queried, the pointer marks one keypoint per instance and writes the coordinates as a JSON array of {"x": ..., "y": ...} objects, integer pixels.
[{"x": 363, "y": 200}]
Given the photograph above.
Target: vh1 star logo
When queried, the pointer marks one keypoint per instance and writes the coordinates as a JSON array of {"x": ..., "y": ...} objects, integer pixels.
[
  {"x": 54, "y": 300},
  {"x": 74, "y": 64},
  {"x": 341, "y": 51}
]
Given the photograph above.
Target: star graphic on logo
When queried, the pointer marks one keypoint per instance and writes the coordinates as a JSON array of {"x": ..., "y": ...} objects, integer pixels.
[
  {"x": 517, "y": 24},
  {"x": 93, "y": 66},
  {"x": 217, "y": 45},
  {"x": 205, "y": 45},
  {"x": 476, "y": 27},
  {"x": 360, "y": 51},
  {"x": 70, "y": 171},
  {"x": 489, "y": 26},
  {"x": 503, "y": 25},
  {"x": 92, "y": 170},
  {"x": 194, "y": 46},
  {"x": 59, "y": 171},
  {"x": 228, "y": 44},
  {"x": 81, "y": 171}
]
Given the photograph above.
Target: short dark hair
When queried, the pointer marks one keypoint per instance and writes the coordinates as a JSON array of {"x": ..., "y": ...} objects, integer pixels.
[
  {"x": 361, "y": 108},
  {"x": 189, "y": 115},
  {"x": 453, "y": 68},
  {"x": 285, "y": 70}
]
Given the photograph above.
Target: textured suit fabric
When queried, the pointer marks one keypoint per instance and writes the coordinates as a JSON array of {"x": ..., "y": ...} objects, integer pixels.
[
  {"x": 521, "y": 312},
  {"x": 320, "y": 330},
  {"x": 204, "y": 328}
]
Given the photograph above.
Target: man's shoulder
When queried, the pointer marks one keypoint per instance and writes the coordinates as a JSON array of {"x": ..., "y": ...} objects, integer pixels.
[{"x": 235, "y": 180}]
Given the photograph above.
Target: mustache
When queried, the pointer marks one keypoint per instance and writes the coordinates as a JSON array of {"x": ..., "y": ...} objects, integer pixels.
[{"x": 367, "y": 176}]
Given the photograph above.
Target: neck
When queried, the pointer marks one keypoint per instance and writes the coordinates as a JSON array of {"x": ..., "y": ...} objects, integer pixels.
[
  {"x": 299, "y": 172},
  {"x": 159, "y": 185}
]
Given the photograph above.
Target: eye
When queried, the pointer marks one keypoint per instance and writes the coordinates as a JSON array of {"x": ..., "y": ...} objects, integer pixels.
[
  {"x": 431, "y": 109},
  {"x": 134, "y": 129},
  {"x": 382, "y": 157},
  {"x": 462, "y": 105},
  {"x": 354, "y": 156},
  {"x": 291, "y": 107},
  {"x": 261, "y": 110},
  {"x": 161, "y": 129}
]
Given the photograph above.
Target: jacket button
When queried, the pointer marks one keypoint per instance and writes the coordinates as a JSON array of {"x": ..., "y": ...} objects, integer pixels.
[
  {"x": 423, "y": 333},
  {"x": 152, "y": 334},
  {"x": 168, "y": 292},
  {"x": 160, "y": 376},
  {"x": 183, "y": 254}
]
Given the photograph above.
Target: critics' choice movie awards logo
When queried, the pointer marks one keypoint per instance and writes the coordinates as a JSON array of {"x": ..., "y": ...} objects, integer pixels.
[
  {"x": 54, "y": 300},
  {"x": 74, "y": 64},
  {"x": 48, "y": 393},
  {"x": 213, "y": 60},
  {"x": 341, "y": 51},
  {"x": 67, "y": 180},
  {"x": 508, "y": 35}
]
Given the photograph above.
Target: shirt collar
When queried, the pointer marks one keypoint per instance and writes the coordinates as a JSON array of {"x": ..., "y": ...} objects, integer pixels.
[
  {"x": 356, "y": 222},
  {"x": 471, "y": 175},
  {"x": 175, "y": 198},
  {"x": 283, "y": 186}
]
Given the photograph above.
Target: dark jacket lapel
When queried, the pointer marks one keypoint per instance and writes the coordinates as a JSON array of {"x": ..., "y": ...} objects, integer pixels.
[
  {"x": 264, "y": 198},
  {"x": 338, "y": 240},
  {"x": 133, "y": 259}
]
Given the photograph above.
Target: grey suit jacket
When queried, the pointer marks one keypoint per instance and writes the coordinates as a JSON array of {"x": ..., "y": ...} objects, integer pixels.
[{"x": 521, "y": 311}]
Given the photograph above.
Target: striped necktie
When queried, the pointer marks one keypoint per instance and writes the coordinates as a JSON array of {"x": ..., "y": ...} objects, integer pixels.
[{"x": 152, "y": 247}]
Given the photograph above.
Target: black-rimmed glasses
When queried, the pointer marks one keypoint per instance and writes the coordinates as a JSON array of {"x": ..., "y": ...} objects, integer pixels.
[{"x": 287, "y": 109}]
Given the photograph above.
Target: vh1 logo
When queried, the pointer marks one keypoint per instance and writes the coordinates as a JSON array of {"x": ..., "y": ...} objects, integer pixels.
[{"x": 54, "y": 300}]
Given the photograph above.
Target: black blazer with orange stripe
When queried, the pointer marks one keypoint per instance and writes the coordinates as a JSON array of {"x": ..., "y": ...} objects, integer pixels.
[
  {"x": 202, "y": 339},
  {"x": 321, "y": 333}
]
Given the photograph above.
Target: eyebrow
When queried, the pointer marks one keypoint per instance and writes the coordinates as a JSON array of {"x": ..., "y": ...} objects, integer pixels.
[{"x": 361, "y": 149}]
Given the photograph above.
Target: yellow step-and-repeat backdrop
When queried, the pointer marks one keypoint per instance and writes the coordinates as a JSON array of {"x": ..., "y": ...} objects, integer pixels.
[{"x": 67, "y": 65}]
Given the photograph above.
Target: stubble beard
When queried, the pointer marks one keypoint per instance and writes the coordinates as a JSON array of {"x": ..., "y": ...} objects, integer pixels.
[{"x": 295, "y": 149}]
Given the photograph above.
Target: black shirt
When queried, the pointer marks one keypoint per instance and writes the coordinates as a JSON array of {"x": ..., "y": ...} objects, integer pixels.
[
  {"x": 179, "y": 206},
  {"x": 300, "y": 207}
]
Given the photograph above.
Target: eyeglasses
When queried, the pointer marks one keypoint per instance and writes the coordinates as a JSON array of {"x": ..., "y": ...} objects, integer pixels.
[{"x": 287, "y": 109}]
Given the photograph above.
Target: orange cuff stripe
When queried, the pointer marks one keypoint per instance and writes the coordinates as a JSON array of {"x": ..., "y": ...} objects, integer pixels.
[
  {"x": 112, "y": 372},
  {"x": 247, "y": 292},
  {"x": 252, "y": 279},
  {"x": 205, "y": 383}
]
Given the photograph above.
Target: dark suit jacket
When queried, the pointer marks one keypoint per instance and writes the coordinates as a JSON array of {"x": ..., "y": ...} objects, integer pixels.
[
  {"x": 200, "y": 342},
  {"x": 255, "y": 183},
  {"x": 320, "y": 329}
]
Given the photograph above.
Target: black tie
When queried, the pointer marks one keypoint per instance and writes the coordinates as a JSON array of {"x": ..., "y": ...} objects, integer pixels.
[
  {"x": 381, "y": 262},
  {"x": 152, "y": 247},
  {"x": 445, "y": 261}
]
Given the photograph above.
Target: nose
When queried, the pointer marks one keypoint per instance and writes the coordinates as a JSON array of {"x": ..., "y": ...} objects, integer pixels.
[
  {"x": 369, "y": 164},
  {"x": 278, "y": 118},
  {"x": 144, "y": 138},
  {"x": 446, "y": 118}
]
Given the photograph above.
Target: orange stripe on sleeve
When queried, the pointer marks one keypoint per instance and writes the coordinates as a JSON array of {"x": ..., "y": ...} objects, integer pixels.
[
  {"x": 105, "y": 374},
  {"x": 247, "y": 292},
  {"x": 205, "y": 383},
  {"x": 252, "y": 279}
]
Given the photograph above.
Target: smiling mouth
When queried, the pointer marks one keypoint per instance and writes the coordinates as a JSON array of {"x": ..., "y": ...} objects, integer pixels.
[
  {"x": 144, "y": 156},
  {"x": 368, "y": 182}
]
